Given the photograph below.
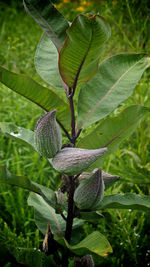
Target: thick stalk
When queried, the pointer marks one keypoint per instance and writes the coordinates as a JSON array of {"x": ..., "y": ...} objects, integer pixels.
[
  {"x": 70, "y": 215},
  {"x": 71, "y": 189}
]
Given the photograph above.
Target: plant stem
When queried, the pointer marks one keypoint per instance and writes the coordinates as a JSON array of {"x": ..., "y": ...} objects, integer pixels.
[
  {"x": 70, "y": 215},
  {"x": 65, "y": 131}
]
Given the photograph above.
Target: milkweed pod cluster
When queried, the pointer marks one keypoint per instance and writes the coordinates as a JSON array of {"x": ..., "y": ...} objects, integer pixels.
[
  {"x": 47, "y": 135},
  {"x": 90, "y": 191},
  {"x": 73, "y": 161}
]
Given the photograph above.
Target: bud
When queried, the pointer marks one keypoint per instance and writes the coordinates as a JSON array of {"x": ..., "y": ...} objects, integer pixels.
[
  {"x": 108, "y": 179},
  {"x": 89, "y": 191},
  {"x": 75, "y": 160},
  {"x": 85, "y": 261},
  {"x": 47, "y": 136}
]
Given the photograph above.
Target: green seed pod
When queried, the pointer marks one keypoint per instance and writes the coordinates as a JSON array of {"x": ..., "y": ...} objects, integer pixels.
[
  {"x": 108, "y": 179},
  {"x": 47, "y": 136},
  {"x": 90, "y": 191},
  {"x": 75, "y": 160}
]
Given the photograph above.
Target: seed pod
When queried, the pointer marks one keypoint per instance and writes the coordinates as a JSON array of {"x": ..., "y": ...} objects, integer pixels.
[
  {"x": 47, "y": 136},
  {"x": 89, "y": 191},
  {"x": 75, "y": 160},
  {"x": 108, "y": 179}
]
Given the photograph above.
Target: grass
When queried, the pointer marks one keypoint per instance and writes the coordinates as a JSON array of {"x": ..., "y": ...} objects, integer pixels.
[{"x": 127, "y": 231}]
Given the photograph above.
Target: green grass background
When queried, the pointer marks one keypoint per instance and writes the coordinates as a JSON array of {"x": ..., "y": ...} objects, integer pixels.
[{"x": 128, "y": 231}]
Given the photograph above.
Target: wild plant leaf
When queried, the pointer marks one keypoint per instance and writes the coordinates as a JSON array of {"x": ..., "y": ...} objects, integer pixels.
[
  {"x": 113, "y": 83},
  {"x": 44, "y": 214},
  {"x": 112, "y": 131},
  {"x": 48, "y": 17},
  {"x": 79, "y": 56},
  {"x": 32, "y": 257},
  {"x": 95, "y": 243},
  {"x": 42, "y": 96},
  {"x": 125, "y": 201},
  {"x": 21, "y": 181},
  {"x": 46, "y": 62},
  {"x": 91, "y": 216},
  {"x": 19, "y": 133}
]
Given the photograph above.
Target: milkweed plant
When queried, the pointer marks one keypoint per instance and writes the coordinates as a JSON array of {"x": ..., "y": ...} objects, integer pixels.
[{"x": 83, "y": 91}]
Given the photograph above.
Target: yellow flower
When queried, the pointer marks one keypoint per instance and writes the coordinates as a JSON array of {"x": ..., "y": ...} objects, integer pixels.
[
  {"x": 59, "y": 5},
  {"x": 66, "y": 1},
  {"x": 80, "y": 8}
]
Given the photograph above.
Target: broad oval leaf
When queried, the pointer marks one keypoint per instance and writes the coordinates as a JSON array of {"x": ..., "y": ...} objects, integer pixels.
[
  {"x": 7, "y": 177},
  {"x": 113, "y": 83},
  {"x": 46, "y": 62},
  {"x": 112, "y": 131},
  {"x": 84, "y": 44},
  {"x": 19, "y": 133},
  {"x": 32, "y": 257},
  {"x": 38, "y": 94},
  {"x": 94, "y": 243},
  {"x": 44, "y": 214},
  {"x": 48, "y": 17},
  {"x": 125, "y": 201}
]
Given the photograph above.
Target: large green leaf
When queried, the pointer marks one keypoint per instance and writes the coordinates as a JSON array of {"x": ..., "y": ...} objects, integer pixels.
[
  {"x": 42, "y": 96},
  {"x": 125, "y": 201},
  {"x": 91, "y": 216},
  {"x": 46, "y": 62},
  {"x": 94, "y": 243},
  {"x": 48, "y": 17},
  {"x": 21, "y": 181},
  {"x": 44, "y": 214},
  {"x": 84, "y": 44},
  {"x": 112, "y": 131},
  {"x": 32, "y": 257},
  {"x": 113, "y": 83},
  {"x": 22, "y": 134}
]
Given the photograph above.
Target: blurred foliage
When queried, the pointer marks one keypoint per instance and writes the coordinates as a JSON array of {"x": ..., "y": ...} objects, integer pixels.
[{"x": 127, "y": 231}]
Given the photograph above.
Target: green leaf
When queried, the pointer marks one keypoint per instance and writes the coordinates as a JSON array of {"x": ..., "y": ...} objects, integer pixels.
[
  {"x": 113, "y": 83},
  {"x": 48, "y": 17},
  {"x": 21, "y": 181},
  {"x": 84, "y": 44},
  {"x": 112, "y": 131},
  {"x": 44, "y": 214},
  {"x": 33, "y": 257},
  {"x": 42, "y": 96},
  {"x": 125, "y": 201},
  {"x": 18, "y": 133},
  {"x": 94, "y": 243},
  {"x": 46, "y": 62},
  {"x": 91, "y": 216}
]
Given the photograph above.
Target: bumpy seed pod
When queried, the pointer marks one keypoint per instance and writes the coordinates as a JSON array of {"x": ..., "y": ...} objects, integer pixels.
[
  {"x": 108, "y": 179},
  {"x": 75, "y": 160},
  {"x": 90, "y": 191},
  {"x": 47, "y": 136}
]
